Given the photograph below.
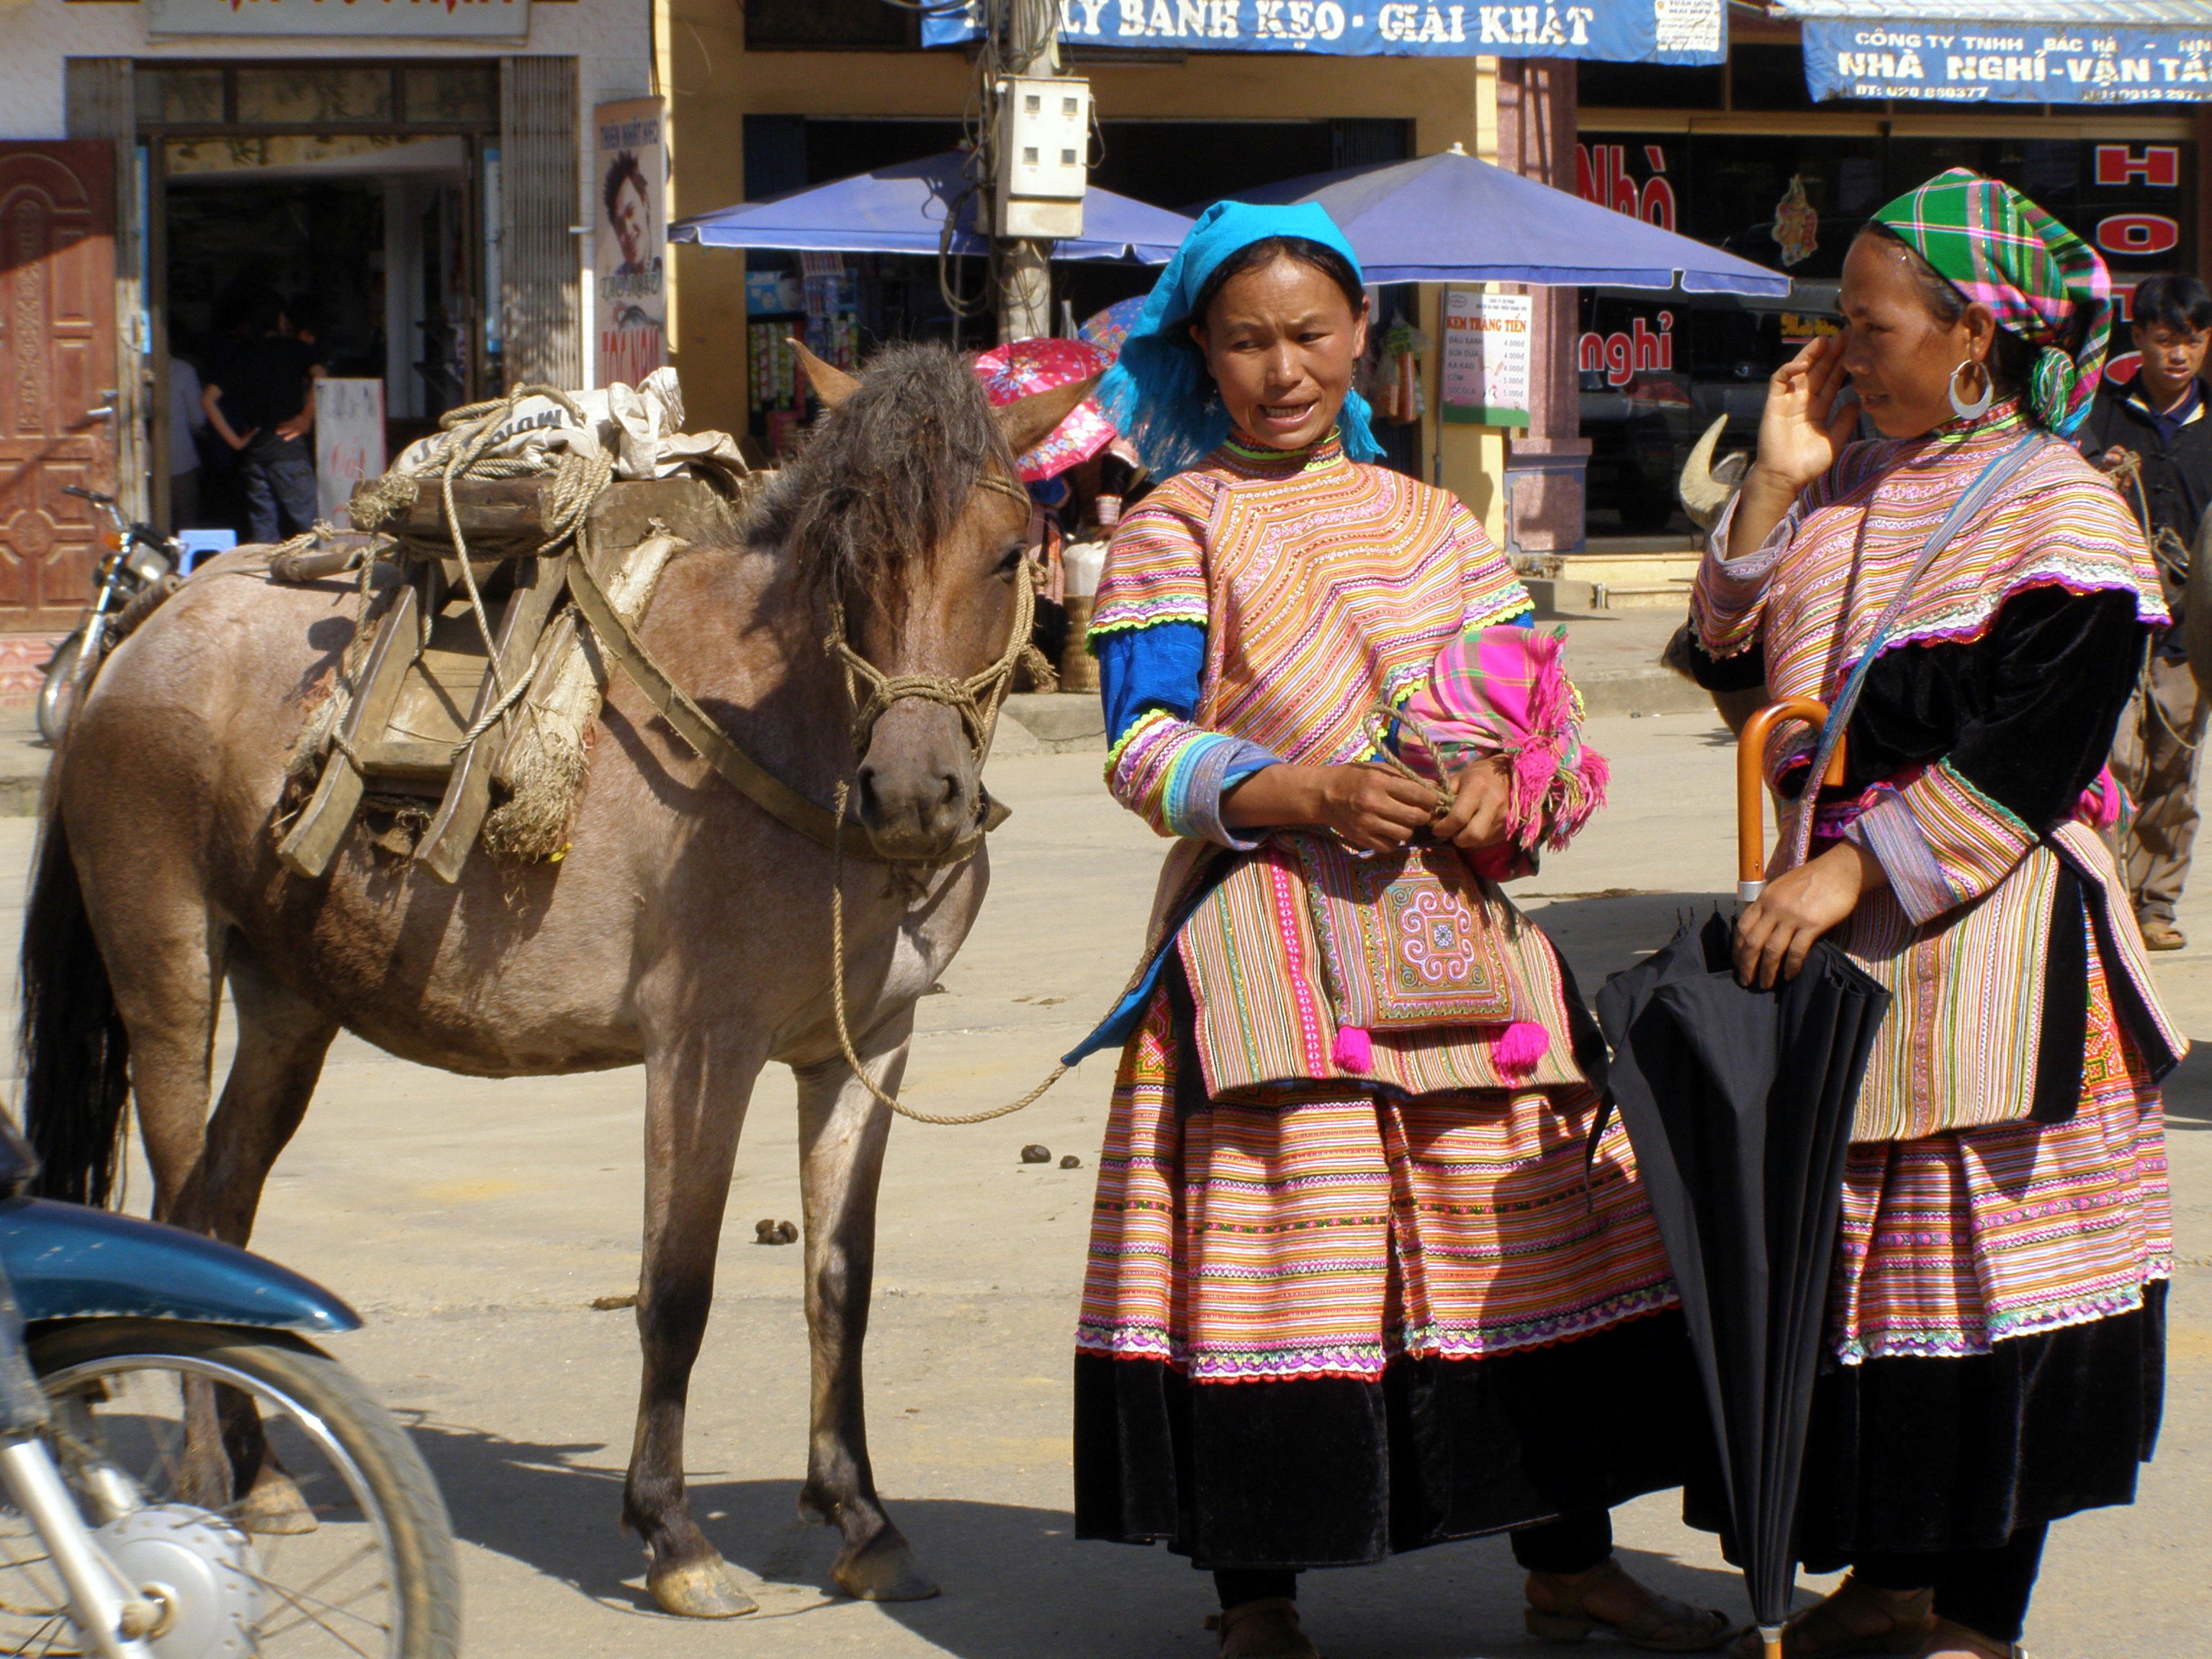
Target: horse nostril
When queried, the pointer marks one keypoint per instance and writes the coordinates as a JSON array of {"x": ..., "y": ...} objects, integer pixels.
[{"x": 863, "y": 789}]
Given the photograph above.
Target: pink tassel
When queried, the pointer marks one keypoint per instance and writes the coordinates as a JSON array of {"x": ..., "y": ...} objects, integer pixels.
[
  {"x": 1523, "y": 1044},
  {"x": 1355, "y": 1050}
]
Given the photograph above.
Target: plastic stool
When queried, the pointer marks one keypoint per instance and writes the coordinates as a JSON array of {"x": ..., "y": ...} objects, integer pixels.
[{"x": 198, "y": 544}]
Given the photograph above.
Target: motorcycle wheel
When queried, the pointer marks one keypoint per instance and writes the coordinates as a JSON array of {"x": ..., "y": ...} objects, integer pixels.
[
  {"x": 348, "y": 1553},
  {"x": 58, "y": 694}
]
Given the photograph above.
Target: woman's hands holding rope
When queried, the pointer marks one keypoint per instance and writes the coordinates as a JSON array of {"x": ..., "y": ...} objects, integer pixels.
[{"x": 1372, "y": 807}]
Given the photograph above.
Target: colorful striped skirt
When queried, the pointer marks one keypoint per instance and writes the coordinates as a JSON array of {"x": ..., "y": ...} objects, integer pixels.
[{"x": 1342, "y": 1324}]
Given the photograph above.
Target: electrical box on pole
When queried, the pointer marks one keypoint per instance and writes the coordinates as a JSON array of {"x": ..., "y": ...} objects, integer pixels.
[{"x": 1043, "y": 155}]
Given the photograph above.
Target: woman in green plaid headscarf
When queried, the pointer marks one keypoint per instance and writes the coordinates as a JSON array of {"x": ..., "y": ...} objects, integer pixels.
[
  {"x": 2044, "y": 285},
  {"x": 1993, "y": 1328}
]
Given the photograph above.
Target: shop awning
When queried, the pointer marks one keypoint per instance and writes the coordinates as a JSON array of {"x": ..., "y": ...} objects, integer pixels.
[
  {"x": 1614, "y": 31},
  {"x": 1451, "y": 218},
  {"x": 903, "y": 209},
  {"x": 2022, "y": 52}
]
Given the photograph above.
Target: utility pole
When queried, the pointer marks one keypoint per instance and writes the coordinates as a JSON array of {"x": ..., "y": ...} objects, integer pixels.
[{"x": 1031, "y": 136}]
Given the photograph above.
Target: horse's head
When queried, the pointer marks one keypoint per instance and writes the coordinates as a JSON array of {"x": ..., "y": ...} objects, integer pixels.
[{"x": 912, "y": 517}]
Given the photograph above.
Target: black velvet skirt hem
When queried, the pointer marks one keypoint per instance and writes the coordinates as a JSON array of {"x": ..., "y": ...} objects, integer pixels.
[
  {"x": 1911, "y": 1455},
  {"x": 1324, "y": 1472}
]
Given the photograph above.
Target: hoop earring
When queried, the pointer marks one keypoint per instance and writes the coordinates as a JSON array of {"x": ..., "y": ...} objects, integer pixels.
[{"x": 1980, "y": 406}]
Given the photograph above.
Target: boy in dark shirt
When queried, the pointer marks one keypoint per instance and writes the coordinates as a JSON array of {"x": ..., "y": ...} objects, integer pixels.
[
  {"x": 2155, "y": 434},
  {"x": 259, "y": 398}
]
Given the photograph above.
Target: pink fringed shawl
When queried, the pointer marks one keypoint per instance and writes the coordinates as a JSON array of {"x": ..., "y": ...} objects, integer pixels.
[{"x": 1503, "y": 690}]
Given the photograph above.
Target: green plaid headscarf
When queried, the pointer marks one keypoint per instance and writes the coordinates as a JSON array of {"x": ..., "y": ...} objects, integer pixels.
[{"x": 2045, "y": 283}]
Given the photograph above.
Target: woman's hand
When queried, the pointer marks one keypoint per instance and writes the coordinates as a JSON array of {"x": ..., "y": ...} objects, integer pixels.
[
  {"x": 1807, "y": 424},
  {"x": 1477, "y": 818},
  {"x": 1372, "y": 807},
  {"x": 1799, "y": 906}
]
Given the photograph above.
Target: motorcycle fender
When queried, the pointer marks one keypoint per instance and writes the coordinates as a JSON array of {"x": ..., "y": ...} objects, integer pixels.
[{"x": 66, "y": 1261}]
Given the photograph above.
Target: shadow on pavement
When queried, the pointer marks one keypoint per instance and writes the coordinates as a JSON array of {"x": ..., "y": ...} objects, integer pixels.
[
  {"x": 1017, "y": 1584},
  {"x": 2188, "y": 1090}
]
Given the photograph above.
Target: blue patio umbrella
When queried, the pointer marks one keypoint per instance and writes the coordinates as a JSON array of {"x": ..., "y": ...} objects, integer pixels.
[
  {"x": 1452, "y": 218},
  {"x": 903, "y": 209}
]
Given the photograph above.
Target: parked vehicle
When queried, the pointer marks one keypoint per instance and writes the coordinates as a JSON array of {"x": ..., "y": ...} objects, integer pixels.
[
  {"x": 138, "y": 559},
  {"x": 183, "y": 1475}
]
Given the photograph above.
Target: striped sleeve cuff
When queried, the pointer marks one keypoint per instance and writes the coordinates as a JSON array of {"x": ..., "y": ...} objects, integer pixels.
[
  {"x": 1729, "y": 594},
  {"x": 1940, "y": 841},
  {"x": 1172, "y": 774}
]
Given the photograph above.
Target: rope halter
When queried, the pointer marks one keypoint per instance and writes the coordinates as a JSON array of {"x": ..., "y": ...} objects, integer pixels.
[{"x": 975, "y": 699}]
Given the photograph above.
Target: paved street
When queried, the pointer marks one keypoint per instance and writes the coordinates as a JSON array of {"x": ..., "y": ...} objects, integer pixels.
[{"x": 473, "y": 1224}]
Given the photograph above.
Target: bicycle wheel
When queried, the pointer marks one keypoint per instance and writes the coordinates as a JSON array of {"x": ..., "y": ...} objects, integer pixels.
[
  {"x": 161, "y": 1429},
  {"x": 57, "y": 691}
]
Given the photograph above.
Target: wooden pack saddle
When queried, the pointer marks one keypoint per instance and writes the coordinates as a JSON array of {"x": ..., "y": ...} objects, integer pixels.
[{"x": 425, "y": 681}]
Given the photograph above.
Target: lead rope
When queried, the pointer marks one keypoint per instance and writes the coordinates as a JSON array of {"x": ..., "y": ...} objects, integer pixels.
[{"x": 976, "y": 699}]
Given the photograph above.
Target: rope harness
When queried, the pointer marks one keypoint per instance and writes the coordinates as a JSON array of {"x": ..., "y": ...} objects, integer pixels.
[
  {"x": 978, "y": 700},
  {"x": 577, "y": 484}
]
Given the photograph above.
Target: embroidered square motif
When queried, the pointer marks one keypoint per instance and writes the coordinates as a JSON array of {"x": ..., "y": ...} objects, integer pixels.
[{"x": 1407, "y": 939}]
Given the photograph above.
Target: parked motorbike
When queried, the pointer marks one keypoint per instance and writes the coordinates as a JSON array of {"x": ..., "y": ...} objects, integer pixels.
[
  {"x": 137, "y": 559},
  {"x": 183, "y": 1475}
]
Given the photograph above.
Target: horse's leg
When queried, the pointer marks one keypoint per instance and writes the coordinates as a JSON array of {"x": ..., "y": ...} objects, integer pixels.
[
  {"x": 842, "y": 1131},
  {"x": 696, "y": 1090},
  {"x": 282, "y": 1040},
  {"x": 164, "y": 955}
]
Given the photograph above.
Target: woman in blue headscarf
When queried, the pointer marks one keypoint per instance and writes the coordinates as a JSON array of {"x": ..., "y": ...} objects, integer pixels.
[{"x": 1353, "y": 1285}]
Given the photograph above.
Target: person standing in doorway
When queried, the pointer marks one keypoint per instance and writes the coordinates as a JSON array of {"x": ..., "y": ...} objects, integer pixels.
[
  {"x": 2153, "y": 436},
  {"x": 187, "y": 421},
  {"x": 259, "y": 396}
]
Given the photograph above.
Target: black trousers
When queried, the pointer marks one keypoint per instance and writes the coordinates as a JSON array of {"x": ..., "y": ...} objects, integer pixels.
[{"x": 1573, "y": 1543}]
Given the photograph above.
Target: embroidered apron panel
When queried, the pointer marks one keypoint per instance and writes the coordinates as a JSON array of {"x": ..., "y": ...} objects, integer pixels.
[
  {"x": 1265, "y": 1007},
  {"x": 1406, "y": 940}
]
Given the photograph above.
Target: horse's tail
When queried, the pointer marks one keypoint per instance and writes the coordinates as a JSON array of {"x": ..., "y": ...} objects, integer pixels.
[{"x": 77, "y": 1052}]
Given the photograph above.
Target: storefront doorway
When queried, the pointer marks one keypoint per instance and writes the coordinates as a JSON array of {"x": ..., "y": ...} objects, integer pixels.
[{"x": 362, "y": 197}]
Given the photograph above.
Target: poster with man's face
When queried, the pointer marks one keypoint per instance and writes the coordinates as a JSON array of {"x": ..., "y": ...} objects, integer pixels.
[{"x": 631, "y": 302}]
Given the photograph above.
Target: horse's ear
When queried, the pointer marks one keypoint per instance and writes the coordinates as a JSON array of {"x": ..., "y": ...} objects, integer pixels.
[
  {"x": 832, "y": 384},
  {"x": 1028, "y": 421}
]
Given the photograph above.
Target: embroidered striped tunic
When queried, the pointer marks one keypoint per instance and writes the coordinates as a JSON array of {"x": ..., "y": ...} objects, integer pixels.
[
  {"x": 1337, "y": 585},
  {"x": 1317, "y": 1224},
  {"x": 1977, "y": 1205}
]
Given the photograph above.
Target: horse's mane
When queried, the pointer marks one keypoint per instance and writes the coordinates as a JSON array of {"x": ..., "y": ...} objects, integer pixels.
[{"x": 880, "y": 483}]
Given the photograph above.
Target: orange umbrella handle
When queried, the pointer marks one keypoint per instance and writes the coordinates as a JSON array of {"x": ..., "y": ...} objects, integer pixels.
[{"x": 1751, "y": 785}]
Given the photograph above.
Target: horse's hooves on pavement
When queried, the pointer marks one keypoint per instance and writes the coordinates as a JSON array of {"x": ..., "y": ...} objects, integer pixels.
[
  {"x": 882, "y": 1571},
  {"x": 275, "y": 1508},
  {"x": 700, "y": 1589}
]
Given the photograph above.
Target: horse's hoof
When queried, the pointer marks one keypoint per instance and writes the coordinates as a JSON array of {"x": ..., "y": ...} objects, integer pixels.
[
  {"x": 274, "y": 1507},
  {"x": 700, "y": 1589},
  {"x": 882, "y": 1569}
]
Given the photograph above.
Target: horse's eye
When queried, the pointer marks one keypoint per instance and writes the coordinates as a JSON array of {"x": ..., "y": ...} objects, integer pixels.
[{"x": 1013, "y": 556}]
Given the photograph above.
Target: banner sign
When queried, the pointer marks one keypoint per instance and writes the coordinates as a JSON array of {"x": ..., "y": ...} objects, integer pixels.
[
  {"x": 1486, "y": 361},
  {"x": 444, "y": 20},
  {"x": 1613, "y": 31},
  {"x": 349, "y": 443},
  {"x": 630, "y": 298},
  {"x": 1970, "y": 62}
]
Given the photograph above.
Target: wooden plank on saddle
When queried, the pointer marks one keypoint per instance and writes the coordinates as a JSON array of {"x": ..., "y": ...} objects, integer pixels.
[
  {"x": 314, "y": 838},
  {"x": 690, "y": 508},
  {"x": 505, "y": 518},
  {"x": 444, "y": 847},
  {"x": 414, "y": 753}
]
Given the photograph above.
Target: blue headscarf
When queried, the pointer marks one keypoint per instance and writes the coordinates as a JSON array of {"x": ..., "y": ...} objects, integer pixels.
[{"x": 1159, "y": 392}]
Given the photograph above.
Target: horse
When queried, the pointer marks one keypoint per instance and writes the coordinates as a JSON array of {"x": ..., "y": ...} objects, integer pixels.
[{"x": 686, "y": 926}]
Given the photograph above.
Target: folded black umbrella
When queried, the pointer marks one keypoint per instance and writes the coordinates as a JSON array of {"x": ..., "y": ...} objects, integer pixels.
[{"x": 1738, "y": 1103}]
